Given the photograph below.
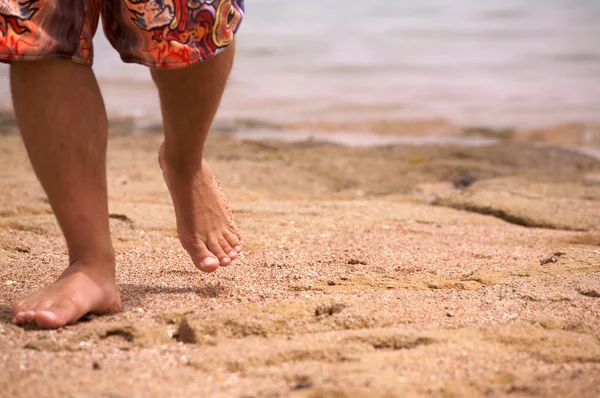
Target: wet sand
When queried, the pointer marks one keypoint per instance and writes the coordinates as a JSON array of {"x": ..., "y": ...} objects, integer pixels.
[{"x": 430, "y": 271}]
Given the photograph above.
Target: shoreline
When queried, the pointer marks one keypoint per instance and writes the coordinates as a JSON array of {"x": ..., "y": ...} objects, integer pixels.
[
  {"x": 583, "y": 137},
  {"x": 578, "y": 137}
]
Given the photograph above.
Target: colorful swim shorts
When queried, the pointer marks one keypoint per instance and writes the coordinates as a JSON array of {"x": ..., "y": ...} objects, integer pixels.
[{"x": 157, "y": 33}]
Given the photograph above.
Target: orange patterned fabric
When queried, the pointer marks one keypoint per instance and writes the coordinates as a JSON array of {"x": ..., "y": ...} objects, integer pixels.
[{"x": 157, "y": 33}]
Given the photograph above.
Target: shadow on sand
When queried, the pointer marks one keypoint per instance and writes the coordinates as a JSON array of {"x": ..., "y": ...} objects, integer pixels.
[{"x": 134, "y": 295}]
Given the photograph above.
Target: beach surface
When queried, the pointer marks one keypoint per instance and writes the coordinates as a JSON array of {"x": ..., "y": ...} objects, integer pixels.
[{"x": 413, "y": 271}]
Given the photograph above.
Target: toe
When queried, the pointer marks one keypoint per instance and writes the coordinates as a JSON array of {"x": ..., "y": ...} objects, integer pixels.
[
  {"x": 49, "y": 320},
  {"x": 61, "y": 313},
  {"x": 201, "y": 256},
  {"x": 215, "y": 249},
  {"x": 232, "y": 254},
  {"x": 233, "y": 241},
  {"x": 225, "y": 262},
  {"x": 24, "y": 317},
  {"x": 209, "y": 263},
  {"x": 18, "y": 307}
]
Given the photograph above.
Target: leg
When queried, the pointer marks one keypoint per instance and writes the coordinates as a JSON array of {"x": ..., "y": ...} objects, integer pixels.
[
  {"x": 62, "y": 119},
  {"x": 190, "y": 98}
]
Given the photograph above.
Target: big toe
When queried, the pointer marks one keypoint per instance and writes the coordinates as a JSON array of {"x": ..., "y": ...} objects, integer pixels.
[
  {"x": 48, "y": 319},
  {"x": 203, "y": 258},
  {"x": 57, "y": 316},
  {"x": 209, "y": 264}
]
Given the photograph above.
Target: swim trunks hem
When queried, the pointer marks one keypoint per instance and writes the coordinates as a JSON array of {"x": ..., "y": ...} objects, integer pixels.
[
  {"x": 165, "y": 65},
  {"x": 42, "y": 57},
  {"x": 130, "y": 60}
]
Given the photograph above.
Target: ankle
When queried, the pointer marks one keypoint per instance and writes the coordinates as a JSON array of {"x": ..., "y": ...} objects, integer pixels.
[
  {"x": 93, "y": 258},
  {"x": 180, "y": 162}
]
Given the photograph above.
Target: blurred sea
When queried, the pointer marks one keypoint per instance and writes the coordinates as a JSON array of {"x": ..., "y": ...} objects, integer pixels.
[{"x": 525, "y": 63}]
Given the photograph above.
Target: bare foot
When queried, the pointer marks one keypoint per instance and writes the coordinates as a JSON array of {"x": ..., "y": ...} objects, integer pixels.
[
  {"x": 204, "y": 223},
  {"x": 82, "y": 288}
]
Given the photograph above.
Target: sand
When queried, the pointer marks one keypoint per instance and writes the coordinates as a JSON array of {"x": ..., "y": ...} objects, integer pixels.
[{"x": 380, "y": 272}]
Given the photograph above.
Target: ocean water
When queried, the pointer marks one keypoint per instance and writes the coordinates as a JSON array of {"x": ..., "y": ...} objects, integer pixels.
[{"x": 495, "y": 63}]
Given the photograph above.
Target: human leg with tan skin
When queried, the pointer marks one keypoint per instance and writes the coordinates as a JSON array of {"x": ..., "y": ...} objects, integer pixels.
[
  {"x": 67, "y": 147},
  {"x": 189, "y": 99},
  {"x": 62, "y": 119}
]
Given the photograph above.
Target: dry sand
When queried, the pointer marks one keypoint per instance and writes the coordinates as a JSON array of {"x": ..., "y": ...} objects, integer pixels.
[{"x": 413, "y": 272}]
